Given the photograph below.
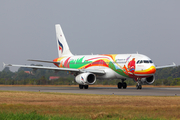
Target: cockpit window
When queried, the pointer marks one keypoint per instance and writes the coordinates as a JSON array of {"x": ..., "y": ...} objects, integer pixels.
[
  {"x": 146, "y": 61},
  {"x": 141, "y": 61},
  {"x": 137, "y": 61},
  {"x": 150, "y": 61}
]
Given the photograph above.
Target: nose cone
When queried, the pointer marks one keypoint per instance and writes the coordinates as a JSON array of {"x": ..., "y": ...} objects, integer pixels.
[
  {"x": 148, "y": 71},
  {"x": 152, "y": 70}
]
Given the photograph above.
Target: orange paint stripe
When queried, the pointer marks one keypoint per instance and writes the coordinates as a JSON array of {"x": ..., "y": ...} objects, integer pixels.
[{"x": 150, "y": 70}]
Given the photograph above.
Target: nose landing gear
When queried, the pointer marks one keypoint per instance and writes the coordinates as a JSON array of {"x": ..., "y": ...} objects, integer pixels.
[{"x": 139, "y": 86}]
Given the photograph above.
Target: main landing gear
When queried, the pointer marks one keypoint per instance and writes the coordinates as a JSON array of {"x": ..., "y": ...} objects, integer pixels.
[
  {"x": 139, "y": 86},
  {"x": 122, "y": 84},
  {"x": 83, "y": 86}
]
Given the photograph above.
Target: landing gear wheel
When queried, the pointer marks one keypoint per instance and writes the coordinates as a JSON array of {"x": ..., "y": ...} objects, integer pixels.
[
  {"x": 85, "y": 86},
  {"x": 119, "y": 85},
  {"x": 139, "y": 86},
  {"x": 124, "y": 85},
  {"x": 80, "y": 86}
]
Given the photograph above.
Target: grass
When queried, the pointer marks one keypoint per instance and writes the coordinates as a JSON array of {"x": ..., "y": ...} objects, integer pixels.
[
  {"x": 32, "y": 116},
  {"x": 80, "y": 106},
  {"x": 35, "y": 116}
]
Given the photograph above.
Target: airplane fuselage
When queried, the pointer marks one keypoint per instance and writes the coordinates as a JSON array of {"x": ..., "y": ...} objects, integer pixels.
[{"x": 115, "y": 65}]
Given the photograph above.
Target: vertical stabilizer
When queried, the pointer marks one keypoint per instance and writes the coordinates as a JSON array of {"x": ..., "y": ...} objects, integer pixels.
[{"x": 63, "y": 48}]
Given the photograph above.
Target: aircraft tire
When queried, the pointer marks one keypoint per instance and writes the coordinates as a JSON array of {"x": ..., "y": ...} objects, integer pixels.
[
  {"x": 80, "y": 86},
  {"x": 86, "y": 86},
  {"x": 119, "y": 85},
  {"x": 139, "y": 86},
  {"x": 124, "y": 85}
]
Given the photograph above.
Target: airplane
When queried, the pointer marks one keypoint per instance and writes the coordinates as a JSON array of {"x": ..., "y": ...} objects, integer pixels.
[{"x": 88, "y": 68}]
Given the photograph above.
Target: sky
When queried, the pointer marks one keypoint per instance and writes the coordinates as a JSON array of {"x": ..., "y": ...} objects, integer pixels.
[{"x": 27, "y": 29}]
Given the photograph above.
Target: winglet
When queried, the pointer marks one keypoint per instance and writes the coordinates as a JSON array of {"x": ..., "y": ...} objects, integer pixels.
[
  {"x": 174, "y": 64},
  {"x": 4, "y": 65}
]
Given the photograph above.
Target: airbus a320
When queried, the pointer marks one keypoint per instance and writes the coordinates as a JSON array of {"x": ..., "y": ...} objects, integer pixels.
[{"x": 88, "y": 68}]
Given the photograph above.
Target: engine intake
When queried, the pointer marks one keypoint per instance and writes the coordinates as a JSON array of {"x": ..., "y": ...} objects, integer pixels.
[
  {"x": 148, "y": 80},
  {"x": 85, "y": 79}
]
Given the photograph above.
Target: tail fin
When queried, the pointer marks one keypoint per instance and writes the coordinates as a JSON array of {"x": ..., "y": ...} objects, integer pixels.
[{"x": 63, "y": 48}]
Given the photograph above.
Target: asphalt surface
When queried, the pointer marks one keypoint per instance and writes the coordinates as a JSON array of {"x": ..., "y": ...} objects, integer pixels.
[{"x": 147, "y": 91}]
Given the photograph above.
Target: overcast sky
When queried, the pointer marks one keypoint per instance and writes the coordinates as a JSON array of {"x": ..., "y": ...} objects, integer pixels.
[{"x": 27, "y": 28}]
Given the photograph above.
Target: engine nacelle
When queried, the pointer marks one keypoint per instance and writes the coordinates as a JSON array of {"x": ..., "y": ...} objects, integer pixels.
[
  {"x": 148, "y": 80},
  {"x": 85, "y": 79}
]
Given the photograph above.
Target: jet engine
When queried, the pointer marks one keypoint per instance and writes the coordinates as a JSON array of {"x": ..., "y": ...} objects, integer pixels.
[
  {"x": 148, "y": 80},
  {"x": 85, "y": 78}
]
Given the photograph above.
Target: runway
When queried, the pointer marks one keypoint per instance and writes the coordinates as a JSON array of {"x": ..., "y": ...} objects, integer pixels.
[{"x": 147, "y": 91}]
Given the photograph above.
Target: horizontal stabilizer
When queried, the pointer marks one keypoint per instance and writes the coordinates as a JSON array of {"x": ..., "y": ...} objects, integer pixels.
[{"x": 43, "y": 61}]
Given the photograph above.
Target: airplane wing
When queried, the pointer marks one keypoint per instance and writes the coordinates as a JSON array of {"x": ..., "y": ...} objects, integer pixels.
[
  {"x": 59, "y": 69},
  {"x": 159, "y": 67}
]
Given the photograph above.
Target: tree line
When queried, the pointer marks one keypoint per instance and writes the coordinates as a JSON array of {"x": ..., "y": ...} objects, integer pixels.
[{"x": 166, "y": 76}]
